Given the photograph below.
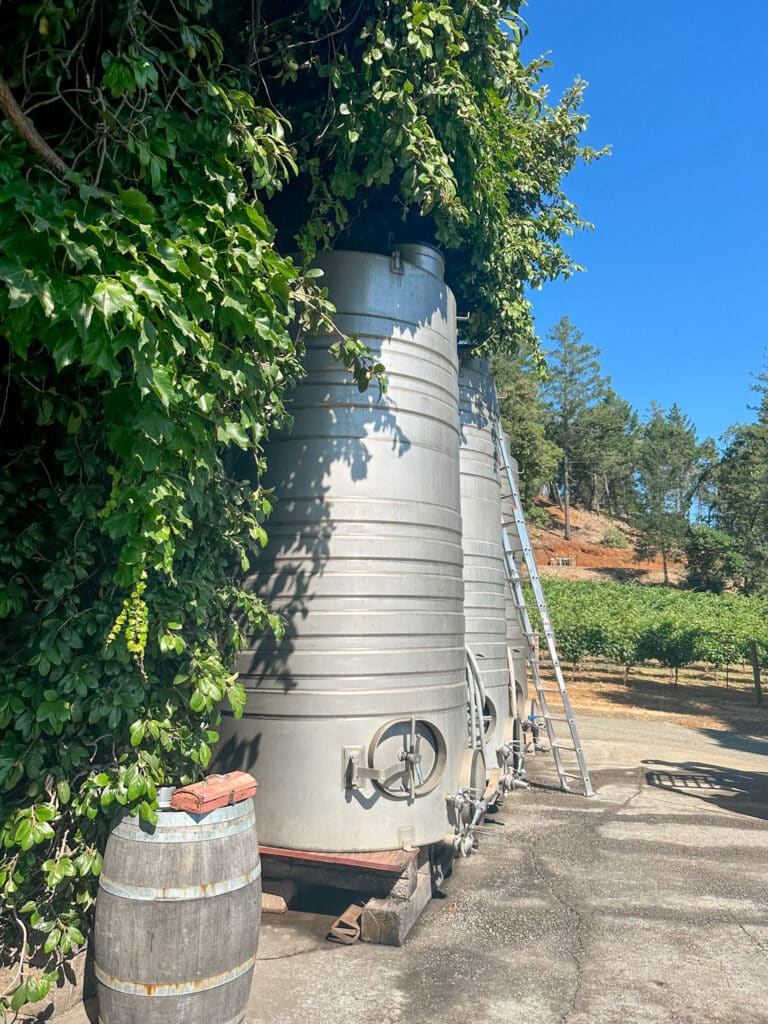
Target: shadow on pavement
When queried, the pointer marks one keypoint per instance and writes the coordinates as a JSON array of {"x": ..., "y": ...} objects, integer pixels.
[
  {"x": 735, "y": 741},
  {"x": 743, "y": 792}
]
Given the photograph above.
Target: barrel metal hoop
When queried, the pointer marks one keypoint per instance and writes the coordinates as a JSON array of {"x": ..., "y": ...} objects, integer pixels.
[
  {"x": 181, "y": 988},
  {"x": 182, "y": 892},
  {"x": 190, "y": 834}
]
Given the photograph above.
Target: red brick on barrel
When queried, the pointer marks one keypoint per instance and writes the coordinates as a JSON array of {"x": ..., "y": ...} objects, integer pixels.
[{"x": 213, "y": 792}]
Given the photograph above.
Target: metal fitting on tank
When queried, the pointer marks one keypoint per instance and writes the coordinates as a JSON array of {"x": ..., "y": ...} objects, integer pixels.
[
  {"x": 510, "y": 777},
  {"x": 511, "y": 780},
  {"x": 470, "y": 810}
]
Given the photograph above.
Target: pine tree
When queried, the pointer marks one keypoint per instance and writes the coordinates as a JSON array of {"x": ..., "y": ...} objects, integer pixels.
[
  {"x": 523, "y": 416},
  {"x": 574, "y": 385},
  {"x": 604, "y": 440},
  {"x": 742, "y": 492},
  {"x": 671, "y": 466}
]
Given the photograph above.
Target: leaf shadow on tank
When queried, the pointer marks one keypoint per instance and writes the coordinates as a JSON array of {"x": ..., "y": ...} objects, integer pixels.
[
  {"x": 479, "y": 419},
  {"x": 475, "y": 417},
  {"x": 478, "y": 403},
  {"x": 304, "y": 475},
  {"x": 325, "y": 456},
  {"x": 334, "y": 453}
]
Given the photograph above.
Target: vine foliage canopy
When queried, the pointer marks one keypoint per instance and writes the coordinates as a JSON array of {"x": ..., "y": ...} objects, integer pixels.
[{"x": 158, "y": 160}]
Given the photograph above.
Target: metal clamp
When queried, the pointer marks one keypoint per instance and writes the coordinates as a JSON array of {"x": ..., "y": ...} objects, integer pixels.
[
  {"x": 396, "y": 262},
  {"x": 356, "y": 772}
]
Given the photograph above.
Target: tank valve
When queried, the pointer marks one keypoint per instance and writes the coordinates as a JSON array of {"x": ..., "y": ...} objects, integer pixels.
[
  {"x": 511, "y": 780},
  {"x": 510, "y": 777},
  {"x": 470, "y": 810}
]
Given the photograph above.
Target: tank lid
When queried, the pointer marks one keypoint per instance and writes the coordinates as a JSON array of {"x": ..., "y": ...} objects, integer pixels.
[{"x": 425, "y": 256}]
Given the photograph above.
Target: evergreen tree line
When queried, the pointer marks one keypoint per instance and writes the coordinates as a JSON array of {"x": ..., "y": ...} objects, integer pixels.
[{"x": 576, "y": 438}]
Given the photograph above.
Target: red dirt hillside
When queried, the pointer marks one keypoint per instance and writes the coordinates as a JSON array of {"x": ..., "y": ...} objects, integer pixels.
[{"x": 590, "y": 557}]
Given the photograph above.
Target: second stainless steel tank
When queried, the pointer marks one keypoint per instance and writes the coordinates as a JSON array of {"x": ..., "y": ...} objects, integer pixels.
[
  {"x": 355, "y": 723},
  {"x": 484, "y": 577}
]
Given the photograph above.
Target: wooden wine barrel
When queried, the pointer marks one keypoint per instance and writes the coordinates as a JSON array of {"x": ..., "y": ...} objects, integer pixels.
[{"x": 177, "y": 918}]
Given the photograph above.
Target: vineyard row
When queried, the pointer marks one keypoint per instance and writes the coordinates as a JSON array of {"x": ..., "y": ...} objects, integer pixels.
[{"x": 631, "y": 624}]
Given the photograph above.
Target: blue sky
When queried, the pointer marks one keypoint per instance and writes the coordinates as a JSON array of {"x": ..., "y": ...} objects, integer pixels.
[{"x": 676, "y": 288}]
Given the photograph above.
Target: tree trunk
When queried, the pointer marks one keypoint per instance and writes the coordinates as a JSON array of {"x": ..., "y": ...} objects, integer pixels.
[
  {"x": 554, "y": 494},
  {"x": 753, "y": 657},
  {"x": 567, "y": 497},
  {"x": 664, "y": 564},
  {"x": 608, "y": 496}
]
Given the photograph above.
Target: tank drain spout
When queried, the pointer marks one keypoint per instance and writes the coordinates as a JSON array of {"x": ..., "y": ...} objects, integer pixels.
[
  {"x": 470, "y": 810},
  {"x": 512, "y": 781},
  {"x": 511, "y": 777}
]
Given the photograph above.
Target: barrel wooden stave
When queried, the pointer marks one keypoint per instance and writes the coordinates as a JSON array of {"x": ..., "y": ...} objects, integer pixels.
[
  {"x": 177, "y": 919},
  {"x": 212, "y": 1007}
]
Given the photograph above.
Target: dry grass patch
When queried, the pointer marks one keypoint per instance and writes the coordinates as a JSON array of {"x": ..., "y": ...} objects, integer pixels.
[{"x": 703, "y": 698}]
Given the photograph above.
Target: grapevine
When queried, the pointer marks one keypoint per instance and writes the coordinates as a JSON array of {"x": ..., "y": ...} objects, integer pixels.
[{"x": 633, "y": 624}]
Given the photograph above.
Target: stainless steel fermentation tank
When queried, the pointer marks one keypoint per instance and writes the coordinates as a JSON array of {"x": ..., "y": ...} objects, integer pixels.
[
  {"x": 356, "y": 720},
  {"x": 484, "y": 576}
]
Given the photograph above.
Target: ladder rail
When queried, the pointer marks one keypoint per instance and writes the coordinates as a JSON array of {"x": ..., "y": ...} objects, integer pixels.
[
  {"x": 525, "y": 621},
  {"x": 516, "y": 584}
]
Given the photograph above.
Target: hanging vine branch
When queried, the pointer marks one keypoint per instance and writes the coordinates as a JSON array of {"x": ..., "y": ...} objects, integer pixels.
[{"x": 22, "y": 124}]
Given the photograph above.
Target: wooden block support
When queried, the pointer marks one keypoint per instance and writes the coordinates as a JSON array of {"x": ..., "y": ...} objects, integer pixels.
[
  {"x": 372, "y": 873},
  {"x": 277, "y": 895},
  {"x": 215, "y": 791},
  {"x": 387, "y": 922},
  {"x": 400, "y": 883},
  {"x": 389, "y": 861}
]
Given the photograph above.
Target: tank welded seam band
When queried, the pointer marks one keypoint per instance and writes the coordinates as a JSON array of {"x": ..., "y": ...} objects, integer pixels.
[
  {"x": 410, "y": 413},
  {"x": 181, "y": 988},
  {"x": 194, "y": 834},
  {"x": 435, "y": 389},
  {"x": 397, "y": 335},
  {"x": 182, "y": 892}
]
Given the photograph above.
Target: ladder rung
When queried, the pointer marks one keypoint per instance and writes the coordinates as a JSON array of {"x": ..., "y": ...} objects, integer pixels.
[{"x": 557, "y": 718}]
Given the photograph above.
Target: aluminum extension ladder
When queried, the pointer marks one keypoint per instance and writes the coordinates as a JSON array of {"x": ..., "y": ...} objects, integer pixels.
[{"x": 544, "y": 693}]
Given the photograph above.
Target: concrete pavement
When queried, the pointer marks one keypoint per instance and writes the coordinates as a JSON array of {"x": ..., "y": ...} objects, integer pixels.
[{"x": 645, "y": 904}]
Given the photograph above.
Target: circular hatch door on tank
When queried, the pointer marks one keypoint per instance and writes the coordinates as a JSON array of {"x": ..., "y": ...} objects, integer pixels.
[{"x": 415, "y": 752}]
